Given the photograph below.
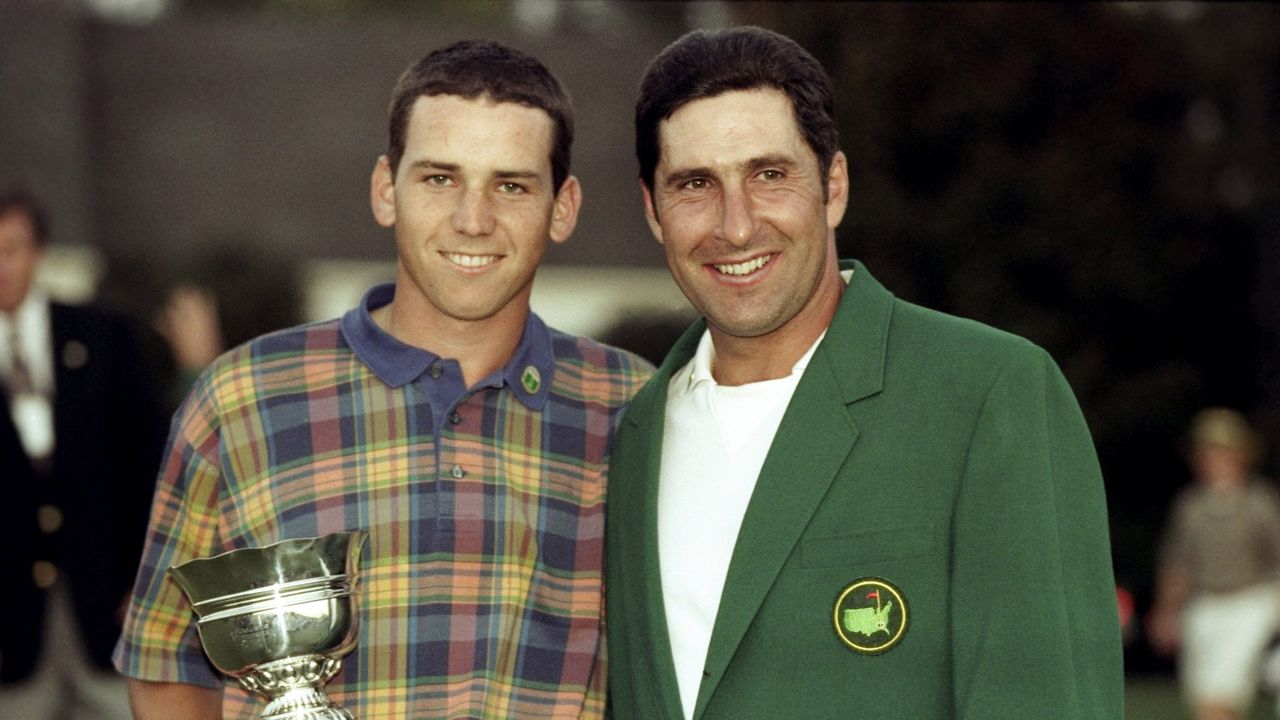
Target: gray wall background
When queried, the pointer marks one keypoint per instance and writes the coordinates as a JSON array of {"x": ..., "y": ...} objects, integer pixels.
[{"x": 154, "y": 141}]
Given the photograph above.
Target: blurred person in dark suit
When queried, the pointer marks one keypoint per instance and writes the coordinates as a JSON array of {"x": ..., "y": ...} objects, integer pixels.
[
  {"x": 1218, "y": 585},
  {"x": 80, "y": 433}
]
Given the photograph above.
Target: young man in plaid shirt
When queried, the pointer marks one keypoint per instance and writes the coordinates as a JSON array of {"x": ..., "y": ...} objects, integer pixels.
[{"x": 469, "y": 439}]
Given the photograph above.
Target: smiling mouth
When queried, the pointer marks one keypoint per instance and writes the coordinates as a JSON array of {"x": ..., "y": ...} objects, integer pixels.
[
  {"x": 743, "y": 268},
  {"x": 470, "y": 261}
]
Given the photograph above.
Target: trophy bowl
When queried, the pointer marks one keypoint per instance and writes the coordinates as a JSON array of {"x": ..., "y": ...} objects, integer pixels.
[{"x": 279, "y": 618}]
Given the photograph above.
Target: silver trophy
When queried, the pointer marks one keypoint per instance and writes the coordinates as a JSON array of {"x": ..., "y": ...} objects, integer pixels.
[{"x": 279, "y": 618}]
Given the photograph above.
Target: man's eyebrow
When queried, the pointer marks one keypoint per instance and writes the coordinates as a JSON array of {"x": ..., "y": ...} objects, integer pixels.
[
  {"x": 427, "y": 164},
  {"x": 775, "y": 160},
  {"x": 516, "y": 174},
  {"x": 680, "y": 177}
]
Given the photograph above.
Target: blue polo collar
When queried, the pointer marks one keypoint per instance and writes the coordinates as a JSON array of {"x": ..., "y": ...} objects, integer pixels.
[{"x": 528, "y": 373}]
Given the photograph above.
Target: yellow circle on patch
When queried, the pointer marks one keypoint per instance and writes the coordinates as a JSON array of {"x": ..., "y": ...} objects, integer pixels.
[{"x": 870, "y": 615}]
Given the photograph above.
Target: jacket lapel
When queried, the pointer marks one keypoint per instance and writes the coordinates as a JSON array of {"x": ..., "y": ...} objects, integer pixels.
[
  {"x": 816, "y": 436},
  {"x": 68, "y": 391},
  {"x": 638, "y": 532}
]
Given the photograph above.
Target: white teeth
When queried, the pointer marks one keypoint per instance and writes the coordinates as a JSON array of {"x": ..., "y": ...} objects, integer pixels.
[
  {"x": 470, "y": 261},
  {"x": 744, "y": 268}
]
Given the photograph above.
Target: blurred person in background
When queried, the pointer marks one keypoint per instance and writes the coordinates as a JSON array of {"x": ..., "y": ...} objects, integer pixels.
[
  {"x": 830, "y": 502},
  {"x": 190, "y": 325},
  {"x": 228, "y": 293},
  {"x": 442, "y": 416},
  {"x": 80, "y": 433},
  {"x": 1218, "y": 582}
]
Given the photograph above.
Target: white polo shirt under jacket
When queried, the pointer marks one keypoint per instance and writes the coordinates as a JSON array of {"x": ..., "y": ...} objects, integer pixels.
[{"x": 714, "y": 444}]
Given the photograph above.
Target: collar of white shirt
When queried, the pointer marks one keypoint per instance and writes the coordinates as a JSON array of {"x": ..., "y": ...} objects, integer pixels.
[
  {"x": 36, "y": 335},
  {"x": 698, "y": 369}
]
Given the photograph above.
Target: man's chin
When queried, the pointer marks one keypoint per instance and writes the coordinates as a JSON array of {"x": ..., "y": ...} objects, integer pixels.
[{"x": 742, "y": 327}]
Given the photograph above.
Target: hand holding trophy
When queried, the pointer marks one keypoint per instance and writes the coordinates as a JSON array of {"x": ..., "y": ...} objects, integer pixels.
[{"x": 279, "y": 618}]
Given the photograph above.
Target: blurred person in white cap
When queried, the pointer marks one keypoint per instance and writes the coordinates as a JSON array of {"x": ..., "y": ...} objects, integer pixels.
[{"x": 1217, "y": 596}]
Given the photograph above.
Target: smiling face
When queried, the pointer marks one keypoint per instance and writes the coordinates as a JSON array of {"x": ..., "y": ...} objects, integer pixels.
[
  {"x": 737, "y": 202},
  {"x": 473, "y": 207}
]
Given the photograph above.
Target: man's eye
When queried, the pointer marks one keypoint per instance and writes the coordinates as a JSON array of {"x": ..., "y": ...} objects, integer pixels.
[
  {"x": 696, "y": 184},
  {"x": 438, "y": 180},
  {"x": 511, "y": 188},
  {"x": 771, "y": 175}
]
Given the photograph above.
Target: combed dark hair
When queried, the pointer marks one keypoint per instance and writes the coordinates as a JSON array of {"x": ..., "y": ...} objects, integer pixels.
[
  {"x": 24, "y": 202},
  {"x": 706, "y": 63},
  {"x": 480, "y": 68}
]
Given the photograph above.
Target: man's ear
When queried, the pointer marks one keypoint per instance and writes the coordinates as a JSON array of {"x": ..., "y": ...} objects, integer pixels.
[
  {"x": 564, "y": 212},
  {"x": 837, "y": 189},
  {"x": 382, "y": 192},
  {"x": 651, "y": 212}
]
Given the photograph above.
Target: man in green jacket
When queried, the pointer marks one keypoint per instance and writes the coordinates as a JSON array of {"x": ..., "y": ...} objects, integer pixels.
[{"x": 830, "y": 502}]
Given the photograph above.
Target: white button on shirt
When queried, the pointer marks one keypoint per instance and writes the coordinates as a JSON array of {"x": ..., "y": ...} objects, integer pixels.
[{"x": 715, "y": 441}]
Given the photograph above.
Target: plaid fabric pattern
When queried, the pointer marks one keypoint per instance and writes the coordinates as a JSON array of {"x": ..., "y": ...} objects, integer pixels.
[{"x": 481, "y": 587}]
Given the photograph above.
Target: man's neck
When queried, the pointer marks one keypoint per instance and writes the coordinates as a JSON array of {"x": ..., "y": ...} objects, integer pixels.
[
  {"x": 481, "y": 347},
  {"x": 742, "y": 360}
]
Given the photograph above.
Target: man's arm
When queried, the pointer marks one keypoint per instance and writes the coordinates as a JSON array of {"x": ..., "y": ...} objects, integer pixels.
[
  {"x": 164, "y": 701},
  {"x": 159, "y": 642},
  {"x": 1172, "y": 584},
  {"x": 1035, "y": 624},
  {"x": 1164, "y": 623}
]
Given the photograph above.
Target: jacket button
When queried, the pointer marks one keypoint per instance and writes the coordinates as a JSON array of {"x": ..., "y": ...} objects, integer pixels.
[
  {"x": 435, "y": 370},
  {"x": 49, "y": 518},
  {"x": 44, "y": 573}
]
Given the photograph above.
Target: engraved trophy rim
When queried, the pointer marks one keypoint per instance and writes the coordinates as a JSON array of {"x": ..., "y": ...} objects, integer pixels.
[
  {"x": 279, "y": 618},
  {"x": 273, "y": 597}
]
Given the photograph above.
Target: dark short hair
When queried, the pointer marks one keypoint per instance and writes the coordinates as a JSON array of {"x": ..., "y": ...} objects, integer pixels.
[
  {"x": 480, "y": 68},
  {"x": 23, "y": 202},
  {"x": 706, "y": 63}
]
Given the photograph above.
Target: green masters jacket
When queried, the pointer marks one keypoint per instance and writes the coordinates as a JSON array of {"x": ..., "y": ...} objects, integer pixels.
[{"x": 927, "y": 539}]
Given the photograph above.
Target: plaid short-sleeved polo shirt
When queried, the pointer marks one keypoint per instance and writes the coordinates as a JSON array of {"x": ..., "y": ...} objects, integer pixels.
[{"x": 481, "y": 579}]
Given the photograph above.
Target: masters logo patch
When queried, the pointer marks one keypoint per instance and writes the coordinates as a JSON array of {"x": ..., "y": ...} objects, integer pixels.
[{"x": 870, "y": 615}]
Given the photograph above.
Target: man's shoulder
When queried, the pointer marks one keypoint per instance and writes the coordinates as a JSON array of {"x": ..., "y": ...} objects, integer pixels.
[
  {"x": 912, "y": 337},
  {"x": 952, "y": 333},
  {"x": 93, "y": 319},
  {"x": 295, "y": 351},
  {"x": 59, "y": 309},
  {"x": 1263, "y": 493},
  {"x": 955, "y": 348},
  {"x": 591, "y": 369}
]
